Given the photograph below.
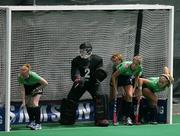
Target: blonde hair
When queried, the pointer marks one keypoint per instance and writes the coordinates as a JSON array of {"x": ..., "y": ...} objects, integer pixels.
[
  {"x": 169, "y": 78},
  {"x": 28, "y": 66},
  {"x": 168, "y": 75},
  {"x": 117, "y": 55}
]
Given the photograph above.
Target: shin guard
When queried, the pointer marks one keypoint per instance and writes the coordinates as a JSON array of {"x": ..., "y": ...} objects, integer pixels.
[{"x": 101, "y": 112}]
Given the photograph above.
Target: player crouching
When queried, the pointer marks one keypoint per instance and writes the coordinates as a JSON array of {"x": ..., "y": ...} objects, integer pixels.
[{"x": 148, "y": 87}]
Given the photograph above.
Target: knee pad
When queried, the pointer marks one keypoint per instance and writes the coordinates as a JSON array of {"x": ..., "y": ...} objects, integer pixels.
[
  {"x": 68, "y": 112},
  {"x": 101, "y": 112}
]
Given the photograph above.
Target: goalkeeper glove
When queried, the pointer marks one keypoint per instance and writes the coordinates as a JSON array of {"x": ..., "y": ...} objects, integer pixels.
[{"x": 79, "y": 81}]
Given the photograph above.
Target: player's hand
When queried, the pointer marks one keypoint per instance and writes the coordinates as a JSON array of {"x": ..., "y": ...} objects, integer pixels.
[
  {"x": 79, "y": 81},
  {"x": 139, "y": 97}
]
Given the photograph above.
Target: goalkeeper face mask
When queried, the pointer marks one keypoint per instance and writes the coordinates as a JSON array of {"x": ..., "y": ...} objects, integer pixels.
[
  {"x": 85, "y": 50},
  {"x": 85, "y": 53}
]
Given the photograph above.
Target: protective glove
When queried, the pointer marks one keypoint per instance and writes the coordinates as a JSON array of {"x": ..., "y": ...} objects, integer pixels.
[{"x": 79, "y": 81}]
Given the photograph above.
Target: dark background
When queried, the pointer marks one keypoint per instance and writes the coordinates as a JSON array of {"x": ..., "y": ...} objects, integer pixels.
[{"x": 175, "y": 3}]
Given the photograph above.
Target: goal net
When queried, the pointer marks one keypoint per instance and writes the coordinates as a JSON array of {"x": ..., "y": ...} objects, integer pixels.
[{"x": 48, "y": 38}]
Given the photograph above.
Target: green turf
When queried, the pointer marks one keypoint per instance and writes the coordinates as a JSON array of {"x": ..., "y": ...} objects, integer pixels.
[
  {"x": 176, "y": 119},
  {"x": 76, "y": 130},
  {"x": 88, "y": 129}
]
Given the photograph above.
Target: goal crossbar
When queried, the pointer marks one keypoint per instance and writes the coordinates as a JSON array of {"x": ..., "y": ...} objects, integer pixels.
[{"x": 89, "y": 7}]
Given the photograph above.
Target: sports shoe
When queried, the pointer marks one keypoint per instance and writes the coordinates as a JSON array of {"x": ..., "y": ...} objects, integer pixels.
[
  {"x": 142, "y": 121},
  {"x": 124, "y": 120},
  {"x": 30, "y": 124},
  {"x": 129, "y": 121},
  {"x": 36, "y": 127},
  {"x": 153, "y": 122}
]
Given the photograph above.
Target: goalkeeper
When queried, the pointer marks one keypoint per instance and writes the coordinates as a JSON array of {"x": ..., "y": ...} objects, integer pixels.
[
  {"x": 87, "y": 75},
  {"x": 31, "y": 87},
  {"x": 148, "y": 88}
]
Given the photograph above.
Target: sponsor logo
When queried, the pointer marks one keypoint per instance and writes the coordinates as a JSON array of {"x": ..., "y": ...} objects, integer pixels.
[
  {"x": 1, "y": 120},
  {"x": 50, "y": 113}
]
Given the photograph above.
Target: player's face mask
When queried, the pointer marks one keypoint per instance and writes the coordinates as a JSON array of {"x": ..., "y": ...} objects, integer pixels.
[{"x": 85, "y": 53}]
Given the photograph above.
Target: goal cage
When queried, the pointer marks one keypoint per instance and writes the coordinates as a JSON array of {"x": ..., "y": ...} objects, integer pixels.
[{"x": 48, "y": 38}]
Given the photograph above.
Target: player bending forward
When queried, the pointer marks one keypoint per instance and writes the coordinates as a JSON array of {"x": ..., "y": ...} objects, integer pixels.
[
  {"x": 31, "y": 87},
  {"x": 87, "y": 75},
  {"x": 148, "y": 88},
  {"x": 125, "y": 73}
]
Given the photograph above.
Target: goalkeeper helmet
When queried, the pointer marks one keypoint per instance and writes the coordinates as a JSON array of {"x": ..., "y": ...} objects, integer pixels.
[{"x": 85, "y": 50}]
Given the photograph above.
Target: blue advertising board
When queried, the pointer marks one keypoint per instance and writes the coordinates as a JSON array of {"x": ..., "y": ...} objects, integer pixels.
[{"x": 84, "y": 112}]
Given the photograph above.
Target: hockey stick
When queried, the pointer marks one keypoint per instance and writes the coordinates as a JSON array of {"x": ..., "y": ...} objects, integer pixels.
[
  {"x": 138, "y": 96},
  {"x": 137, "y": 111},
  {"x": 115, "y": 110}
]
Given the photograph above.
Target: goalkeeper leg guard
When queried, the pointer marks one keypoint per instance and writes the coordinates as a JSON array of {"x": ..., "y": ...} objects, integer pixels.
[
  {"x": 101, "y": 113},
  {"x": 68, "y": 112}
]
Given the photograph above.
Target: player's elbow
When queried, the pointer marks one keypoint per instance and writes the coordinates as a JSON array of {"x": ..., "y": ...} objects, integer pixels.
[
  {"x": 44, "y": 82},
  {"x": 115, "y": 75}
]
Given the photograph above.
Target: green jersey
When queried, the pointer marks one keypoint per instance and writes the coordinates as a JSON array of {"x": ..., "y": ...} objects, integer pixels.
[
  {"x": 125, "y": 69},
  {"x": 33, "y": 79},
  {"x": 153, "y": 85}
]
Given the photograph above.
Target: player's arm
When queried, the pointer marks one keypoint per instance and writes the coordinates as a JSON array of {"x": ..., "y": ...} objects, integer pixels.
[
  {"x": 43, "y": 83},
  {"x": 136, "y": 82},
  {"x": 22, "y": 92},
  {"x": 142, "y": 81},
  {"x": 21, "y": 89},
  {"x": 75, "y": 74},
  {"x": 100, "y": 63},
  {"x": 167, "y": 71},
  {"x": 100, "y": 73},
  {"x": 39, "y": 89},
  {"x": 137, "y": 79},
  {"x": 74, "y": 70},
  {"x": 114, "y": 80}
]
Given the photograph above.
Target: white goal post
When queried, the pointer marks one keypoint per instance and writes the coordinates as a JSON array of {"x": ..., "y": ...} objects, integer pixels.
[{"x": 97, "y": 31}]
